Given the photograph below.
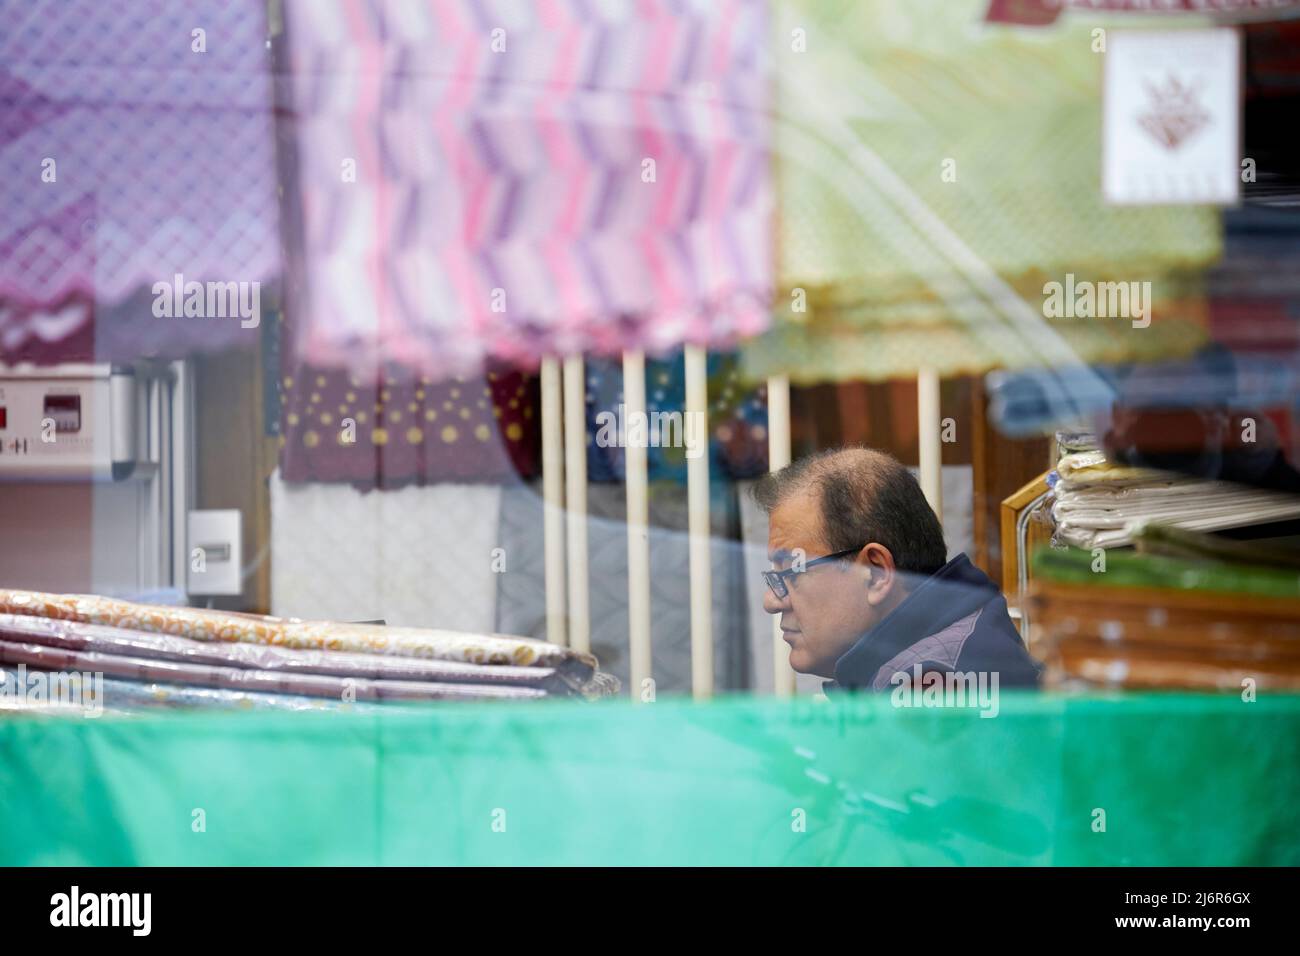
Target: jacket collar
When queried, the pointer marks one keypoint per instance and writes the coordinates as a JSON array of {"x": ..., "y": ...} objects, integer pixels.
[{"x": 954, "y": 591}]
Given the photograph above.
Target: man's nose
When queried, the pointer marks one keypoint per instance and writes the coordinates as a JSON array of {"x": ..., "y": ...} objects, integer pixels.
[{"x": 773, "y": 604}]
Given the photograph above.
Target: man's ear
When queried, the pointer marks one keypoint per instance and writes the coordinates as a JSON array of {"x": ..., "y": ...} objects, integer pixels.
[{"x": 881, "y": 573}]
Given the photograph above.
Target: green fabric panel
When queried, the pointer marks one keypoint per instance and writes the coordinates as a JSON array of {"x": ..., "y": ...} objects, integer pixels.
[
  {"x": 1183, "y": 779},
  {"x": 1130, "y": 569},
  {"x": 874, "y": 101},
  {"x": 1018, "y": 111}
]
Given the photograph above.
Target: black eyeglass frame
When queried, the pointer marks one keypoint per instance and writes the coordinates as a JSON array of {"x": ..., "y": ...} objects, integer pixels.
[{"x": 776, "y": 579}]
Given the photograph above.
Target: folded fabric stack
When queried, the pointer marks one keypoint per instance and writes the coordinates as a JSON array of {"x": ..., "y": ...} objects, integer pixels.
[
  {"x": 1221, "y": 620},
  {"x": 193, "y": 657},
  {"x": 1098, "y": 504}
]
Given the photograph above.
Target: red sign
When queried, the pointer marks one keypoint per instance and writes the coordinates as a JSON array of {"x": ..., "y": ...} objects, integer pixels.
[{"x": 1042, "y": 12}]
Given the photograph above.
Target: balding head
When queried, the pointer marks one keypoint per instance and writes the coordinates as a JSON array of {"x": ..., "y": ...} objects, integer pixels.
[{"x": 863, "y": 496}]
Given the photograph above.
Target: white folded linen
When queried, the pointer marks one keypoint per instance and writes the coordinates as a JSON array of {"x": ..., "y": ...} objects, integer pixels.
[{"x": 1104, "y": 517}]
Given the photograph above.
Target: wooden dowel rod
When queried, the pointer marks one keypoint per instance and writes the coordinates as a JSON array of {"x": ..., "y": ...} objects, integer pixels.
[
  {"x": 778, "y": 456},
  {"x": 929, "y": 438},
  {"x": 553, "y": 501},
  {"x": 638, "y": 525},
  {"x": 575, "y": 473},
  {"x": 695, "y": 428}
]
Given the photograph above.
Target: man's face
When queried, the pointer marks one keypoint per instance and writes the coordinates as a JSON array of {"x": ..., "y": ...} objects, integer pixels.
[{"x": 827, "y": 608}]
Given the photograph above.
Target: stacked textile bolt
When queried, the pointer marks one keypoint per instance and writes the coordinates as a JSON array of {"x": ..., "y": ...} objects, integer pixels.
[
  {"x": 1188, "y": 610},
  {"x": 182, "y": 656},
  {"x": 1099, "y": 504}
]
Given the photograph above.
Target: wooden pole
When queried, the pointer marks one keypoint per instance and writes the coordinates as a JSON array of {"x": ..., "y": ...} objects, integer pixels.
[
  {"x": 575, "y": 473},
  {"x": 931, "y": 445},
  {"x": 695, "y": 423},
  {"x": 553, "y": 501},
  {"x": 778, "y": 456},
  {"x": 638, "y": 523}
]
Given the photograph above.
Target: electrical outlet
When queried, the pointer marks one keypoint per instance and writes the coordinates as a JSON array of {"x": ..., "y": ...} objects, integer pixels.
[{"x": 214, "y": 552}]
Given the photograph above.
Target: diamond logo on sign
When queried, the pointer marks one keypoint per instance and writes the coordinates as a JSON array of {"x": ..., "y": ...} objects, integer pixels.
[
  {"x": 1171, "y": 118},
  {"x": 1175, "y": 113}
]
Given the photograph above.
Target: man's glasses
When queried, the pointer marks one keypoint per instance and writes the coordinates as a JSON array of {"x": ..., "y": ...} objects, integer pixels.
[{"x": 776, "y": 580}]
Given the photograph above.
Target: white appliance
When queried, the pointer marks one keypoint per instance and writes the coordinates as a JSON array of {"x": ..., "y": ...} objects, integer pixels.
[{"x": 95, "y": 477}]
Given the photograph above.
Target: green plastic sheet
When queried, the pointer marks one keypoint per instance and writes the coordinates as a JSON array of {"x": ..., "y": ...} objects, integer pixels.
[{"x": 1099, "y": 780}]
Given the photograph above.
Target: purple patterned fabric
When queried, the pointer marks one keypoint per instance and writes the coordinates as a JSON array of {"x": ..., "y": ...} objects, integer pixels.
[
  {"x": 42, "y": 657},
  {"x": 132, "y": 149},
  {"x": 485, "y": 179},
  {"x": 407, "y": 429},
  {"x": 122, "y": 642}
]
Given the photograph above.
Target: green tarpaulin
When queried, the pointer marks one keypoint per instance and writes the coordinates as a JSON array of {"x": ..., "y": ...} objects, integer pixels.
[{"x": 1126, "y": 779}]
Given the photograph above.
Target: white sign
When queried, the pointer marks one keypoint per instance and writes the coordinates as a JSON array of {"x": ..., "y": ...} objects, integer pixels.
[{"x": 1171, "y": 128}]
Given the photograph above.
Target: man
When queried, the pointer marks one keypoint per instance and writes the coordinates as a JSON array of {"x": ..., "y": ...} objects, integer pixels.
[{"x": 862, "y": 582}]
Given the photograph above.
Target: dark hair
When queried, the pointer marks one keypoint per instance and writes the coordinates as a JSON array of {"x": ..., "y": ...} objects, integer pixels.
[{"x": 866, "y": 496}]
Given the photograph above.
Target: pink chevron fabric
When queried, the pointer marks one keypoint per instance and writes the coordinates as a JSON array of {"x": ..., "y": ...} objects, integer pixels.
[
  {"x": 506, "y": 180},
  {"x": 131, "y": 149}
]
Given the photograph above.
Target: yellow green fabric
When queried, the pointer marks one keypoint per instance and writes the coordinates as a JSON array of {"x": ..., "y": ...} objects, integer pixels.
[
  {"x": 1124, "y": 569},
  {"x": 885, "y": 266}
]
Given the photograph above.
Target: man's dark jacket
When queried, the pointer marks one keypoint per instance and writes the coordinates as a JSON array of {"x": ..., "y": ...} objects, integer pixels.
[{"x": 955, "y": 620}]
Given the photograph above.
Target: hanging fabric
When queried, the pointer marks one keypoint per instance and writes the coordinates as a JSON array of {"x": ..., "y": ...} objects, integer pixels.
[
  {"x": 392, "y": 430},
  {"x": 934, "y": 175},
  {"x": 486, "y": 180},
  {"x": 137, "y": 147},
  {"x": 734, "y": 437}
]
